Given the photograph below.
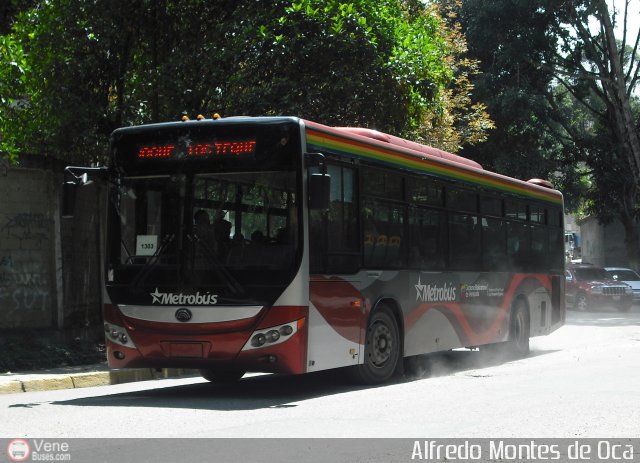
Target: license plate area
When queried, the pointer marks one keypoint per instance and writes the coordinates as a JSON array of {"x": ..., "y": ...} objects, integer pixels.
[{"x": 186, "y": 349}]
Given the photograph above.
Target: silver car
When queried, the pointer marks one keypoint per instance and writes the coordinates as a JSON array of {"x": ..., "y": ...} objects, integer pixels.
[{"x": 627, "y": 276}]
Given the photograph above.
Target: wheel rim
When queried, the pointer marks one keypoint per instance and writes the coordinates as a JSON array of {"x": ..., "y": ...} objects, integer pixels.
[
  {"x": 382, "y": 344},
  {"x": 582, "y": 303}
]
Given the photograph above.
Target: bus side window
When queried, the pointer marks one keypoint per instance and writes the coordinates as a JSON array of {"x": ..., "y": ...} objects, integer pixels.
[
  {"x": 518, "y": 245},
  {"x": 494, "y": 247},
  {"x": 465, "y": 241},
  {"x": 384, "y": 245},
  {"x": 428, "y": 239}
]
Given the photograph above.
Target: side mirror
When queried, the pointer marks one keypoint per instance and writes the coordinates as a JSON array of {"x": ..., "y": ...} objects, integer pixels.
[
  {"x": 74, "y": 177},
  {"x": 319, "y": 191},
  {"x": 69, "y": 190}
]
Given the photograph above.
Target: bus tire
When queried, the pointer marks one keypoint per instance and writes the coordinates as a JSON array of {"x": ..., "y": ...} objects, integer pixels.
[
  {"x": 519, "y": 329},
  {"x": 221, "y": 376},
  {"x": 382, "y": 348}
]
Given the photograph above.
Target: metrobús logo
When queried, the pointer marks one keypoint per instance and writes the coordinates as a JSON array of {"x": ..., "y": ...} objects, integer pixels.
[
  {"x": 445, "y": 292},
  {"x": 186, "y": 299}
]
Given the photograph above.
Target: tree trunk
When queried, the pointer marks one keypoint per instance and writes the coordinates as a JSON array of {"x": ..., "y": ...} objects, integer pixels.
[
  {"x": 632, "y": 241},
  {"x": 632, "y": 236},
  {"x": 616, "y": 86}
]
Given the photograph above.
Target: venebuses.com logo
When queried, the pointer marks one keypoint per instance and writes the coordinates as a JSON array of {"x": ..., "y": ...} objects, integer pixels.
[
  {"x": 18, "y": 450},
  {"x": 38, "y": 450}
]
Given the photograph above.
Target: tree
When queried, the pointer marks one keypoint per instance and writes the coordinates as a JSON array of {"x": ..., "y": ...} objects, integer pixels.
[
  {"x": 509, "y": 38},
  {"x": 93, "y": 66},
  {"x": 597, "y": 75},
  {"x": 562, "y": 94}
]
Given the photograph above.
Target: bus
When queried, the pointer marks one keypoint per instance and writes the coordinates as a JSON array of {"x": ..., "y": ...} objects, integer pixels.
[{"x": 277, "y": 244}]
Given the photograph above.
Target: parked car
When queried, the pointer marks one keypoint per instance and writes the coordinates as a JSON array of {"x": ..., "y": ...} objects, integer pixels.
[
  {"x": 590, "y": 287},
  {"x": 628, "y": 276}
]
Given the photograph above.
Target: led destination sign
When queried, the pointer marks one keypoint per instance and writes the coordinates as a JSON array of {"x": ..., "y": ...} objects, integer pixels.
[{"x": 214, "y": 149}]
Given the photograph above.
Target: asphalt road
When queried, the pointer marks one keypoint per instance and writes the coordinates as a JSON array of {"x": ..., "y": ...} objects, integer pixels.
[{"x": 583, "y": 380}]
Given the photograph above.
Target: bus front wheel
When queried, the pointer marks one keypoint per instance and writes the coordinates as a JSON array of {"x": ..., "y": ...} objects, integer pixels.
[
  {"x": 217, "y": 376},
  {"x": 382, "y": 348}
]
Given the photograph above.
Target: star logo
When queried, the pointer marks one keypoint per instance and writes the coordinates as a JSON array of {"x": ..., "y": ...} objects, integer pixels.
[
  {"x": 421, "y": 289},
  {"x": 156, "y": 296}
]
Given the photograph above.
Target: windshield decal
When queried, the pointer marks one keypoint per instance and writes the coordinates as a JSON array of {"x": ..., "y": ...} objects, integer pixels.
[{"x": 191, "y": 299}]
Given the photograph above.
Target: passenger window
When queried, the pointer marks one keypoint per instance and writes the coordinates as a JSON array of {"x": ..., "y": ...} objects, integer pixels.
[
  {"x": 465, "y": 242},
  {"x": 426, "y": 191},
  {"x": 491, "y": 206},
  {"x": 377, "y": 182},
  {"x": 494, "y": 237},
  {"x": 384, "y": 245},
  {"x": 462, "y": 200},
  {"x": 427, "y": 239},
  {"x": 515, "y": 209},
  {"x": 518, "y": 245}
]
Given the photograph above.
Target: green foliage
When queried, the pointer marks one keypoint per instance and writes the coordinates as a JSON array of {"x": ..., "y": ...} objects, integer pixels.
[
  {"x": 14, "y": 69},
  {"x": 343, "y": 63},
  {"x": 509, "y": 37},
  {"x": 90, "y": 67}
]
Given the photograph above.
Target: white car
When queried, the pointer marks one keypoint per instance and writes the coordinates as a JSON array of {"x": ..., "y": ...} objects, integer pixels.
[{"x": 627, "y": 276}]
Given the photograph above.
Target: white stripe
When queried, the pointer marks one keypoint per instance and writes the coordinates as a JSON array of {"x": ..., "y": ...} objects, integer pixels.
[{"x": 201, "y": 314}]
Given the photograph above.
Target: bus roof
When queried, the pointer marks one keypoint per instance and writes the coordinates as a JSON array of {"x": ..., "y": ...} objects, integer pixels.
[
  {"x": 387, "y": 149},
  {"x": 382, "y": 148}
]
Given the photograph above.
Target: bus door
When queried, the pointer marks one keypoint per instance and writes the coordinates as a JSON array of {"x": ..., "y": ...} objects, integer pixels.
[{"x": 337, "y": 307}]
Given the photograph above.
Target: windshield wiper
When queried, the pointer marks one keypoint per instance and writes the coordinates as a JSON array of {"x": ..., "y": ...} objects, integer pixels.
[
  {"x": 152, "y": 262},
  {"x": 221, "y": 270}
]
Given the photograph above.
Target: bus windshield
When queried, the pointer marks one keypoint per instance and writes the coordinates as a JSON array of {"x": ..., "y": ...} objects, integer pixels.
[
  {"x": 215, "y": 233},
  {"x": 208, "y": 208}
]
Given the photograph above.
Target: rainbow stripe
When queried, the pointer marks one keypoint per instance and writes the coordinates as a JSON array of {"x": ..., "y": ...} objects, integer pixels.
[{"x": 321, "y": 138}]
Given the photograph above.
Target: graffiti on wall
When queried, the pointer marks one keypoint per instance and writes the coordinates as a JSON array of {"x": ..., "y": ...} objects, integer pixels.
[
  {"x": 23, "y": 290},
  {"x": 24, "y": 263},
  {"x": 27, "y": 226}
]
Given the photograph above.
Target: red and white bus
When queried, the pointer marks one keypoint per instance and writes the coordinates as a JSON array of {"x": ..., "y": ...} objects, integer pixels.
[{"x": 281, "y": 245}]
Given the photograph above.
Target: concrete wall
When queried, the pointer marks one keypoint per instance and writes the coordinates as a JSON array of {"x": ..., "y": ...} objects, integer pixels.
[
  {"x": 603, "y": 245},
  {"x": 49, "y": 267},
  {"x": 28, "y": 254}
]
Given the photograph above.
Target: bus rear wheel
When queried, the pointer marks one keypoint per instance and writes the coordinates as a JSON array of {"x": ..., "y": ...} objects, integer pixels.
[
  {"x": 382, "y": 348},
  {"x": 221, "y": 376},
  {"x": 519, "y": 329}
]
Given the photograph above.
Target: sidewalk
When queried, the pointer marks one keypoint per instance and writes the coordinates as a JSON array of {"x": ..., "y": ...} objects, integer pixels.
[{"x": 82, "y": 376}]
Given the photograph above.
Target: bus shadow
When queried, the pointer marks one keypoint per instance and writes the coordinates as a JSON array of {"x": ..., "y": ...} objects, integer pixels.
[
  {"x": 283, "y": 391},
  {"x": 250, "y": 393}
]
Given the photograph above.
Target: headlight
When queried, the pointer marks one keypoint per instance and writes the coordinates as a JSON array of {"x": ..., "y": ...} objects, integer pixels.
[
  {"x": 628, "y": 290},
  {"x": 274, "y": 335},
  {"x": 596, "y": 290},
  {"x": 118, "y": 335}
]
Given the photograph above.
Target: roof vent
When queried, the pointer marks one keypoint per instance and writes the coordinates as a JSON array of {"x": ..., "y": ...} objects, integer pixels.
[
  {"x": 540, "y": 182},
  {"x": 411, "y": 145}
]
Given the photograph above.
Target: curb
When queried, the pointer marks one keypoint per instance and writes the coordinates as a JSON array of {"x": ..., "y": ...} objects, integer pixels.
[{"x": 51, "y": 382}]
